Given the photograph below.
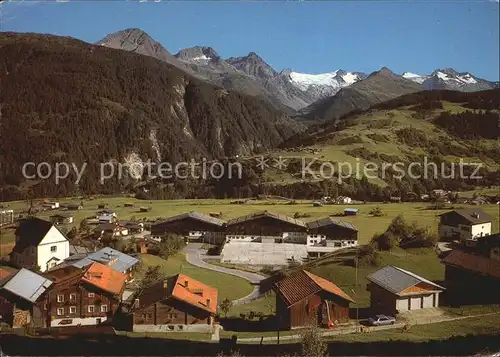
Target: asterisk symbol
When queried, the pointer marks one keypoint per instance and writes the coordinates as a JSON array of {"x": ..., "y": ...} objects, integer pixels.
[
  {"x": 281, "y": 163},
  {"x": 262, "y": 162}
]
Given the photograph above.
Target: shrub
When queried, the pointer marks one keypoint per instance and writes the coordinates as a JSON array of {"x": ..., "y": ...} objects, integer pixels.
[{"x": 376, "y": 212}]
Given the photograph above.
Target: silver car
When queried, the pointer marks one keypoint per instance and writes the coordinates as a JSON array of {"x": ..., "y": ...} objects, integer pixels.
[{"x": 380, "y": 320}]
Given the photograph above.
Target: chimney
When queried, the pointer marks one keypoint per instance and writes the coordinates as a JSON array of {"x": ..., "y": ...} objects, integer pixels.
[
  {"x": 186, "y": 284},
  {"x": 208, "y": 302},
  {"x": 136, "y": 303},
  {"x": 475, "y": 215}
]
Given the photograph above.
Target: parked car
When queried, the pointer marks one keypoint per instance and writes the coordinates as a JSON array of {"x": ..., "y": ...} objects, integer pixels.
[{"x": 380, "y": 320}]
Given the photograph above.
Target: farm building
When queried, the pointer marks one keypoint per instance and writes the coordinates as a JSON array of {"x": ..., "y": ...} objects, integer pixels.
[
  {"x": 73, "y": 207},
  {"x": 330, "y": 232},
  {"x": 472, "y": 279},
  {"x": 195, "y": 225},
  {"x": 6, "y": 217},
  {"x": 108, "y": 230},
  {"x": 144, "y": 209},
  {"x": 351, "y": 211},
  {"x": 180, "y": 303},
  {"x": 39, "y": 243},
  {"x": 61, "y": 218},
  {"x": 343, "y": 200},
  {"x": 303, "y": 298},
  {"x": 50, "y": 205},
  {"x": 465, "y": 225},
  {"x": 131, "y": 226},
  {"x": 88, "y": 296},
  {"x": 266, "y": 226},
  {"x": 488, "y": 246},
  {"x": 394, "y": 290},
  {"x": 19, "y": 294}
]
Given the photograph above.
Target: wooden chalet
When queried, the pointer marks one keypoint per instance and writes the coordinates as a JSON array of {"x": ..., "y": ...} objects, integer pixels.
[
  {"x": 304, "y": 298},
  {"x": 394, "y": 290},
  {"x": 61, "y": 218},
  {"x": 82, "y": 297},
  {"x": 333, "y": 229},
  {"x": 472, "y": 279},
  {"x": 179, "y": 303},
  {"x": 189, "y": 222},
  {"x": 264, "y": 223},
  {"x": 20, "y": 293}
]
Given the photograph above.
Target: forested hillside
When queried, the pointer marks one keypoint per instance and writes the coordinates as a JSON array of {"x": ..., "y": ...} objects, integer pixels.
[{"x": 66, "y": 100}]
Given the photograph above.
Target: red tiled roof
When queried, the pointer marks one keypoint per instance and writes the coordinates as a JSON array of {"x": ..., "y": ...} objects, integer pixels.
[
  {"x": 302, "y": 284},
  {"x": 195, "y": 293},
  {"x": 105, "y": 278},
  {"x": 473, "y": 262}
]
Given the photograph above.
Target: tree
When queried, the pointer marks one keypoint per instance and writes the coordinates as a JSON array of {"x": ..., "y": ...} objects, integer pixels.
[
  {"x": 312, "y": 342},
  {"x": 72, "y": 233},
  {"x": 225, "y": 306},
  {"x": 151, "y": 276}
]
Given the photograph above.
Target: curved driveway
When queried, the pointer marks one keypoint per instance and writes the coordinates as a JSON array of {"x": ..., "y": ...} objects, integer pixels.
[{"x": 195, "y": 256}]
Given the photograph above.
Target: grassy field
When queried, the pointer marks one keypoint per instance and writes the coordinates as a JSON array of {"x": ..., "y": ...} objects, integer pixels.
[
  {"x": 366, "y": 224},
  {"x": 229, "y": 286}
]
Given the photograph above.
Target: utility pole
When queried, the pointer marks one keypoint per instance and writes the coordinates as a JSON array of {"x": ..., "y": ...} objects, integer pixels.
[{"x": 356, "y": 292}]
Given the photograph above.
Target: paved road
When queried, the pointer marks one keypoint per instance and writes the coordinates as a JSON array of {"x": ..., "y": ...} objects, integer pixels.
[
  {"x": 344, "y": 330},
  {"x": 195, "y": 256}
]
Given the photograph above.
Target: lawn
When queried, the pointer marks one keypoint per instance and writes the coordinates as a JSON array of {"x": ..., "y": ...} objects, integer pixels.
[
  {"x": 229, "y": 286},
  {"x": 366, "y": 224},
  {"x": 187, "y": 336}
]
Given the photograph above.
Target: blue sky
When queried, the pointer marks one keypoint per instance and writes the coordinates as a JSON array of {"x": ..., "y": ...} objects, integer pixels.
[{"x": 309, "y": 37}]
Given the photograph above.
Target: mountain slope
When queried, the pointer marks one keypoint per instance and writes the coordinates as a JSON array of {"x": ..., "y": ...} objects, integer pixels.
[
  {"x": 376, "y": 88},
  {"x": 450, "y": 79},
  {"x": 65, "y": 100}
]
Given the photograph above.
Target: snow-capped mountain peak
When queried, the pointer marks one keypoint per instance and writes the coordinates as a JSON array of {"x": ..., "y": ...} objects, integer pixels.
[{"x": 325, "y": 83}]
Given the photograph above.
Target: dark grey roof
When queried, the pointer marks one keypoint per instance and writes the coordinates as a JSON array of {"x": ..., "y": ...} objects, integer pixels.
[
  {"x": 108, "y": 255},
  {"x": 470, "y": 215},
  {"x": 31, "y": 232},
  {"x": 351, "y": 209},
  {"x": 396, "y": 280},
  {"x": 195, "y": 215},
  {"x": 257, "y": 215},
  {"x": 27, "y": 285},
  {"x": 329, "y": 221}
]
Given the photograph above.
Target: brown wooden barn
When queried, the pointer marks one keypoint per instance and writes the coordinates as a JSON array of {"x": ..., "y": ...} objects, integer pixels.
[
  {"x": 20, "y": 293},
  {"x": 333, "y": 229},
  {"x": 471, "y": 279},
  {"x": 264, "y": 224},
  {"x": 180, "y": 303},
  {"x": 187, "y": 223},
  {"x": 88, "y": 296},
  {"x": 304, "y": 298}
]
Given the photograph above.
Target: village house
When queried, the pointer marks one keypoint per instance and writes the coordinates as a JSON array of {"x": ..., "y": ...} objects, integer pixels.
[
  {"x": 472, "y": 279},
  {"x": 180, "y": 303},
  {"x": 82, "y": 297},
  {"x": 109, "y": 230},
  {"x": 116, "y": 260},
  {"x": 132, "y": 227},
  {"x": 73, "y": 207},
  {"x": 327, "y": 234},
  {"x": 266, "y": 227},
  {"x": 465, "y": 225},
  {"x": 303, "y": 298},
  {"x": 39, "y": 244},
  {"x": 6, "y": 217},
  {"x": 61, "y": 218},
  {"x": 343, "y": 200},
  {"x": 394, "y": 290},
  {"x": 50, "y": 205},
  {"x": 19, "y": 294},
  {"x": 196, "y": 226},
  {"x": 351, "y": 211}
]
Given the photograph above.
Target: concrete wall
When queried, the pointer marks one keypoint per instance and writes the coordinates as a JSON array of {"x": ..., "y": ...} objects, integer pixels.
[
  {"x": 173, "y": 328},
  {"x": 480, "y": 230},
  {"x": 86, "y": 321},
  {"x": 44, "y": 253}
]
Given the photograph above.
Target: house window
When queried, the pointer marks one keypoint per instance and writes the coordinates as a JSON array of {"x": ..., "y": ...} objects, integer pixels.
[
  {"x": 60, "y": 298},
  {"x": 53, "y": 248},
  {"x": 72, "y": 297},
  {"x": 91, "y": 308},
  {"x": 104, "y": 308},
  {"x": 60, "y": 311},
  {"x": 72, "y": 309},
  {"x": 91, "y": 295},
  {"x": 172, "y": 316}
]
